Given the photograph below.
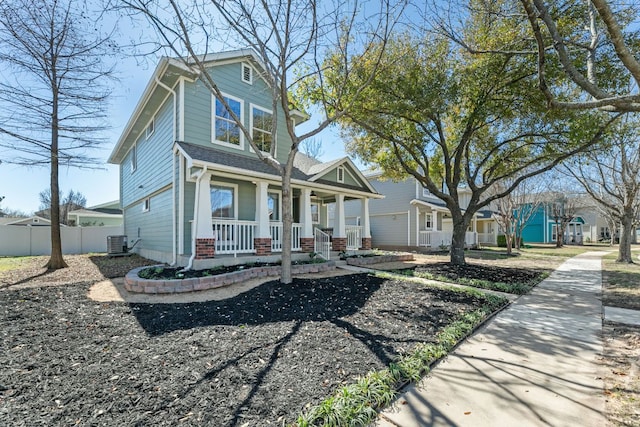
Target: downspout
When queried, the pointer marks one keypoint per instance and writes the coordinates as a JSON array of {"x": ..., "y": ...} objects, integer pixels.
[
  {"x": 194, "y": 224},
  {"x": 173, "y": 177}
]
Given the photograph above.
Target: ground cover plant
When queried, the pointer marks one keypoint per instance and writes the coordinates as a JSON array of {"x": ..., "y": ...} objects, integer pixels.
[{"x": 260, "y": 358}]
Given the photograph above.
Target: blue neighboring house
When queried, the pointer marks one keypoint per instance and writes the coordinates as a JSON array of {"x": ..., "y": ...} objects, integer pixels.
[
  {"x": 192, "y": 189},
  {"x": 587, "y": 226}
]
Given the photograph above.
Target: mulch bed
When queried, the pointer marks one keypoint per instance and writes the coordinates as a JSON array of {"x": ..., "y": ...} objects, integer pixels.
[
  {"x": 481, "y": 272},
  {"x": 259, "y": 358}
]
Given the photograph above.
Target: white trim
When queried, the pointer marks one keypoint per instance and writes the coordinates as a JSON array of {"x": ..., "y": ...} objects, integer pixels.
[
  {"x": 181, "y": 182},
  {"x": 214, "y": 99},
  {"x": 146, "y": 204},
  {"x": 253, "y": 106},
  {"x": 133, "y": 160},
  {"x": 150, "y": 128},
  {"x": 340, "y": 174},
  {"x": 279, "y": 193},
  {"x": 235, "y": 196},
  {"x": 181, "y": 107},
  {"x": 246, "y": 66}
]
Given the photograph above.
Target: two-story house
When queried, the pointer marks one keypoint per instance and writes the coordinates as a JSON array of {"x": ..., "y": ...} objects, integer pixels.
[
  {"x": 192, "y": 188},
  {"x": 410, "y": 217}
]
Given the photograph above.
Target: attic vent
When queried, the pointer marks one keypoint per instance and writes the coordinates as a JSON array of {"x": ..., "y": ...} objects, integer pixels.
[{"x": 247, "y": 74}]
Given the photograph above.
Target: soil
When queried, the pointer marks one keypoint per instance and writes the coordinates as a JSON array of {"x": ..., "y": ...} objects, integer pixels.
[
  {"x": 257, "y": 358},
  {"x": 481, "y": 272},
  {"x": 622, "y": 381}
]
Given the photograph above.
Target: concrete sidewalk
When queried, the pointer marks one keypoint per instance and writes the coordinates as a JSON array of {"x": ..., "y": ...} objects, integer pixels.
[{"x": 534, "y": 364}]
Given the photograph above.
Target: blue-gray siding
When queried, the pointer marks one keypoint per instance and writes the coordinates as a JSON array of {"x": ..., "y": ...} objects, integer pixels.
[{"x": 153, "y": 227}]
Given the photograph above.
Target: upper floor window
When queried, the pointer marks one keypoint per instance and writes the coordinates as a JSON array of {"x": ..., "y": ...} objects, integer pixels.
[
  {"x": 225, "y": 128},
  {"x": 247, "y": 74},
  {"x": 425, "y": 192},
  {"x": 134, "y": 157},
  {"x": 340, "y": 174},
  {"x": 151, "y": 127},
  {"x": 261, "y": 123},
  {"x": 223, "y": 201}
]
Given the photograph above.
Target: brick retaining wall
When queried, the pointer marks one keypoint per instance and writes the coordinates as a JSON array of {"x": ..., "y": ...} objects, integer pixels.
[{"x": 379, "y": 259}]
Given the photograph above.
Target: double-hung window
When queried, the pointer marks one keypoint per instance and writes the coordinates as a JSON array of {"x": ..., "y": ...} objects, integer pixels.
[
  {"x": 225, "y": 129},
  {"x": 261, "y": 124}
]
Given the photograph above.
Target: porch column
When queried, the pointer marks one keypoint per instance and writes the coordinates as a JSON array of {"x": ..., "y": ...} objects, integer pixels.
[
  {"x": 306, "y": 239},
  {"x": 366, "y": 228},
  {"x": 205, "y": 240},
  {"x": 262, "y": 238},
  {"x": 339, "y": 240}
]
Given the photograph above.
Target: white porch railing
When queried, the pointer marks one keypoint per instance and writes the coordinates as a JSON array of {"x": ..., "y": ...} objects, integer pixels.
[
  {"x": 322, "y": 243},
  {"x": 487, "y": 238},
  {"x": 436, "y": 239},
  {"x": 276, "y": 232},
  {"x": 354, "y": 237},
  {"x": 236, "y": 237}
]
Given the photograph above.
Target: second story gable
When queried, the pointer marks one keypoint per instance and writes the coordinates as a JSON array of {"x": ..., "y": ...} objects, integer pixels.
[{"x": 177, "y": 98}]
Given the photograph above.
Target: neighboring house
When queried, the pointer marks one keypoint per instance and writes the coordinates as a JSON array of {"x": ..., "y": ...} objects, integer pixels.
[
  {"x": 33, "y": 221},
  {"x": 586, "y": 226},
  {"x": 105, "y": 214},
  {"x": 411, "y": 217},
  {"x": 192, "y": 188}
]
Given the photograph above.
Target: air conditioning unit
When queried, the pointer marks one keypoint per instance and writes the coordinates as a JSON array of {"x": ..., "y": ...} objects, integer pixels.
[{"x": 117, "y": 245}]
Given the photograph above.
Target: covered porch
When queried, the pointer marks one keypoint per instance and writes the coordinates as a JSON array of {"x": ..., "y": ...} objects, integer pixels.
[{"x": 434, "y": 228}]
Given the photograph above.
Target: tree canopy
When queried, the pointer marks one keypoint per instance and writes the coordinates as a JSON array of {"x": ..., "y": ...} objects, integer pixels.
[{"x": 454, "y": 119}]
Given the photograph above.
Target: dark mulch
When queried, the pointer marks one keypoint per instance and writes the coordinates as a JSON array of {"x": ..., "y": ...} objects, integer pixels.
[
  {"x": 481, "y": 272},
  {"x": 257, "y": 359}
]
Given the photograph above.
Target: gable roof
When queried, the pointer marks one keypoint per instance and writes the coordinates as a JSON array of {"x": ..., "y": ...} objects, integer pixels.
[
  {"x": 33, "y": 220},
  {"x": 165, "y": 76},
  {"x": 252, "y": 166}
]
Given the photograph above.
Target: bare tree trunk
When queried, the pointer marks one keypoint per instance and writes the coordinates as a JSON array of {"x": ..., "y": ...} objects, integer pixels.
[
  {"x": 56, "y": 261},
  {"x": 287, "y": 224},
  {"x": 624, "y": 249}
]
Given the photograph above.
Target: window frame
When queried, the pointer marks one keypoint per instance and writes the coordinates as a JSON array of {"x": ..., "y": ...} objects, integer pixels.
[
  {"x": 133, "y": 160},
  {"x": 317, "y": 221},
  {"x": 215, "y": 117},
  {"x": 146, "y": 204},
  {"x": 340, "y": 174},
  {"x": 279, "y": 194},
  {"x": 428, "y": 221},
  {"x": 264, "y": 110},
  {"x": 234, "y": 188},
  {"x": 150, "y": 128}
]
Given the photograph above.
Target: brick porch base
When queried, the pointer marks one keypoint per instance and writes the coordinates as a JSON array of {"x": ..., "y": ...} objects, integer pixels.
[
  {"x": 339, "y": 244},
  {"x": 307, "y": 244},
  {"x": 262, "y": 245},
  {"x": 366, "y": 243},
  {"x": 205, "y": 248}
]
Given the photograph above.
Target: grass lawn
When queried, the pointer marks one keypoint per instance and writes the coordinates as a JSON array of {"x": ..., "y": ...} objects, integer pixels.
[
  {"x": 621, "y": 283},
  {"x": 13, "y": 263}
]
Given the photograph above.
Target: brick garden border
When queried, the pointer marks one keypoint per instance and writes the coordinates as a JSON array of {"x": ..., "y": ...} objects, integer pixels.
[
  {"x": 134, "y": 283},
  {"x": 359, "y": 261}
]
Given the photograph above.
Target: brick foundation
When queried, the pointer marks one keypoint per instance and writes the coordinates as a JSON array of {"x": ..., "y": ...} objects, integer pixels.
[
  {"x": 262, "y": 245},
  {"x": 307, "y": 244},
  {"x": 366, "y": 243},
  {"x": 339, "y": 244},
  {"x": 205, "y": 248}
]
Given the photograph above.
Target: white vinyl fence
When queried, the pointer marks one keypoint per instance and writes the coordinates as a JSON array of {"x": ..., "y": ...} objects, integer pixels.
[{"x": 27, "y": 240}]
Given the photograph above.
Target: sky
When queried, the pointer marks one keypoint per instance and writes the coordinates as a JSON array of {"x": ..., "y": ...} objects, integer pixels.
[{"x": 21, "y": 185}]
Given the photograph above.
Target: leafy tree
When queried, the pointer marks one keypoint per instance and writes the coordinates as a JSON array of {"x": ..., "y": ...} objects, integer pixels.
[
  {"x": 589, "y": 46},
  {"x": 452, "y": 119},
  {"x": 52, "y": 96},
  {"x": 289, "y": 37}
]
